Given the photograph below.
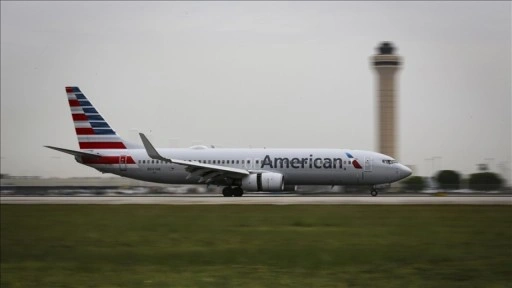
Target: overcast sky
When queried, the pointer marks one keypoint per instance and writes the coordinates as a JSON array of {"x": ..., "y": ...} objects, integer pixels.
[{"x": 240, "y": 74}]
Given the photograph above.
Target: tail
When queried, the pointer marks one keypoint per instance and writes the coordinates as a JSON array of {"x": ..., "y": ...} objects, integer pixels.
[{"x": 92, "y": 131}]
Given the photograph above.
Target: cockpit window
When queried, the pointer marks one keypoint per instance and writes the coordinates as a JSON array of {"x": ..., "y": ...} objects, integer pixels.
[{"x": 389, "y": 161}]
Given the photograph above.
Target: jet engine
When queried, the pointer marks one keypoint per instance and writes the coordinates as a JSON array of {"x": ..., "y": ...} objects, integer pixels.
[{"x": 267, "y": 182}]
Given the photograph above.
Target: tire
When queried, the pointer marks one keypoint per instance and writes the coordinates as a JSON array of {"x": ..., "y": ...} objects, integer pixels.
[
  {"x": 238, "y": 192},
  {"x": 227, "y": 192},
  {"x": 374, "y": 193}
]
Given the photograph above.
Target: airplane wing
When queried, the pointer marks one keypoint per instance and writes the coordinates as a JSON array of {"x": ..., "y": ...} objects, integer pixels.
[
  {"x": 74, "y": 152},
  {"x": 207, "y": 172}
]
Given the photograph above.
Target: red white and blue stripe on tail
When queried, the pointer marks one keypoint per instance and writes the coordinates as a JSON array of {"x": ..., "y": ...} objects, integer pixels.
[{"x": 92, "y": 130}]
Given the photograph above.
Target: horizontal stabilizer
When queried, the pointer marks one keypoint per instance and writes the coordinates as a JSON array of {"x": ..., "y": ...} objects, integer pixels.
[{"x": 74, "y": 152}]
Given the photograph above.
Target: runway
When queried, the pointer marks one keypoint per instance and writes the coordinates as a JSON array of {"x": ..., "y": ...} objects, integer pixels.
[{"x": 261, "y": 200}]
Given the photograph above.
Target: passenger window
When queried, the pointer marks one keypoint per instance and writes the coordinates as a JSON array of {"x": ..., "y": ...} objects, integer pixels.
[
  {"x": 152, "y": 161},
  {"x": 257, "y": 161},
  {"x": 237, "y": 161},
  {"x": 349, "y": 162},
  {"x": 243, "y": 161},
  {"x": 223, "y": 161},
  {"x": 248, "y": 161}
]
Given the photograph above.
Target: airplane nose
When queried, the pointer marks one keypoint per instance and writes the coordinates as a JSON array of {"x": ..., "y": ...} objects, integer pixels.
[{"x": 405, "y": 171}]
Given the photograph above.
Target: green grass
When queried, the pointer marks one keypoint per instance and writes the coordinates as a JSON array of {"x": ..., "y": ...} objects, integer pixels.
[{"x": 255, "y": 246}]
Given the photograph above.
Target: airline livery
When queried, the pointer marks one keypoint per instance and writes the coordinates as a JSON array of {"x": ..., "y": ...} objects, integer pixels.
[{"x": 238, "y": 170}]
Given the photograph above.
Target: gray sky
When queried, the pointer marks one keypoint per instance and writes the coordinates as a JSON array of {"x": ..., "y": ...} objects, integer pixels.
[{"x": 240, "y": 74}]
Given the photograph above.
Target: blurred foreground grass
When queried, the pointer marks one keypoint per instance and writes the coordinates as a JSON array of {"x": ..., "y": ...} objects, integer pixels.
[{"x": 255, "y": 246}]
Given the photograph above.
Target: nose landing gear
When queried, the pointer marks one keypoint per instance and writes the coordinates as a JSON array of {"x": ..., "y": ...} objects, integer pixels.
[{"x": 374, "y": 192}]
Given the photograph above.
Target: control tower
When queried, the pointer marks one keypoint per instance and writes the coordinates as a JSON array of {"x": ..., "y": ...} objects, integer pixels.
[{"x": 386, "y": 63}]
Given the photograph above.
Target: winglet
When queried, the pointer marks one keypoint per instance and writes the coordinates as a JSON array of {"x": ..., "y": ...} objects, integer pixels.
[{"x": 152, "y": 153}]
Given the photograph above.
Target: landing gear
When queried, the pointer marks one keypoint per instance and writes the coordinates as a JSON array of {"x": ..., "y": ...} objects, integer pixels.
[
  {"x": 374, "y": 192},
  {"x": 238, "y": 192},
  {"x": 227, "y": 192},
  {"x": 232, "y": 191}
]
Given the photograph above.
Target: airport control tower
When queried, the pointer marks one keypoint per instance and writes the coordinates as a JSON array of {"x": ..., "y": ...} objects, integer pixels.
[{"x": 386, "y": 63}]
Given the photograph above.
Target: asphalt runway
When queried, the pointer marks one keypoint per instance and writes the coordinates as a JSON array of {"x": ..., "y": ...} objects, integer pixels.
[{"x": 256, "y": 199}]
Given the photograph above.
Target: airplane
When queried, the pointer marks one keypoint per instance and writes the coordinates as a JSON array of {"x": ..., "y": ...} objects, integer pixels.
[{"x": 238, "y": 170}]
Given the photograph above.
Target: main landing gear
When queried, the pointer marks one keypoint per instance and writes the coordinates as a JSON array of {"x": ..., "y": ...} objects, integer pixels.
[
  {"x": 232, "y": 191},
  {"x": 374, "y": 192}
]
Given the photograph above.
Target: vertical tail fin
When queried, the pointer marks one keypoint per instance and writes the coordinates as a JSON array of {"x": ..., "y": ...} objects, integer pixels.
[{"x": 92, "y": 130}]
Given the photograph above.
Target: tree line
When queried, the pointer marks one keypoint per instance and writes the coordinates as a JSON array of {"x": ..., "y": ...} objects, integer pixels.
[{"x": 452, "y": 180}]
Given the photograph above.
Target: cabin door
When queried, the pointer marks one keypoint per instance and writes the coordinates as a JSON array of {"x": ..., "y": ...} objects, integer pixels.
[{"x": 367, "y": 164}]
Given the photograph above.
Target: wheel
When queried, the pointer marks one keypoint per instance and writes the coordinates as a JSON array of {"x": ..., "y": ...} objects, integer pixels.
[
  {"x": 374, "y": 192},
  {"x": 238, "y": 192},
  {"x": 227, "y": 192}
]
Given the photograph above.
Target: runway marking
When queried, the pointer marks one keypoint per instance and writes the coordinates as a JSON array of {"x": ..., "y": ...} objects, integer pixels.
[{"x": 261, "y": 200}]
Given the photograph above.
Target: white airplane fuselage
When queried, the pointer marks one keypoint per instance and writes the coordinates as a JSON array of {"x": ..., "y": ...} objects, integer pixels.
[{"x": 298, "y": 166}]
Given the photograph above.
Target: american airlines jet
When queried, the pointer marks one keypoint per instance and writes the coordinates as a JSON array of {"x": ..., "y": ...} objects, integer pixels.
[{"x": 238, "y": 170}]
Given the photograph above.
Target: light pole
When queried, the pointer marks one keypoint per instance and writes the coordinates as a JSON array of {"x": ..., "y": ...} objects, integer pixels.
[
  {"x": 431, "y": 171},
  {"x": 440, "y": 162},
  {"x": 488, "y": 160}
]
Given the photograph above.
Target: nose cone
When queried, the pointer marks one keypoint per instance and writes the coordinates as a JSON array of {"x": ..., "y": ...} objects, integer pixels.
[{"x": 405, "y": 171}]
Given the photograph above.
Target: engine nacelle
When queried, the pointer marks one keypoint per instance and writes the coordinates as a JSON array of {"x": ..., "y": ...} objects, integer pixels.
[{"x": 267, "y": 182}]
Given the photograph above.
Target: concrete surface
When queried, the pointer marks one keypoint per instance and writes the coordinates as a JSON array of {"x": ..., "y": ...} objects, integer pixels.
[{"x": 265, "y": 199}]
